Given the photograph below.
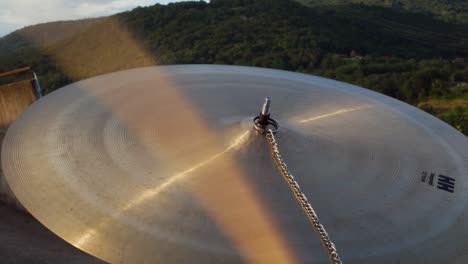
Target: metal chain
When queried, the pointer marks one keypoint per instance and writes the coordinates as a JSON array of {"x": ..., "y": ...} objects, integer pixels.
[{"x": 302, "y": 199}]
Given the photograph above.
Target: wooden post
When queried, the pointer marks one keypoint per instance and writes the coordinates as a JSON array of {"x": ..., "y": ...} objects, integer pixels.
[{"x": 14, "y": 72}]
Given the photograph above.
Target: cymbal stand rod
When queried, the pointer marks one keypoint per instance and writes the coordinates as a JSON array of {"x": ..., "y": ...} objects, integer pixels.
[
  {"x": 263, "y": 120},
  {"x": 265, "y": 114}
]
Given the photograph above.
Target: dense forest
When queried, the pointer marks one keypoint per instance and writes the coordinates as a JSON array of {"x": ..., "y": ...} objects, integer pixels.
[
  {"x": 446, "y": 10},
  {"x": 407, "y": 52}
]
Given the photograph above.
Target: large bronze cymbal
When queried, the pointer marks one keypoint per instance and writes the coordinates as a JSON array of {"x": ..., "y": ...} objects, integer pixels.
[{"x": 162, "y": 165}]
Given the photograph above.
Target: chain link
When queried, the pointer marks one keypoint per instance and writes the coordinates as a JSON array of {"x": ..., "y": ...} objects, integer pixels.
[{"x": 302, "y": 199}]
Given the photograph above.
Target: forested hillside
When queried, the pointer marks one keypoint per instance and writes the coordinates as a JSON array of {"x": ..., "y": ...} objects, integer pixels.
[
  {"x": 446, "y": 10},
  {"x": 414, "y": 57},
  {"x": 43, "y": 34}
]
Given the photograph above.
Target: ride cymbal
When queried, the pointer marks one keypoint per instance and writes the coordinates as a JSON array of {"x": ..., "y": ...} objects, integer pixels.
[{"x": 162, "y": 165}]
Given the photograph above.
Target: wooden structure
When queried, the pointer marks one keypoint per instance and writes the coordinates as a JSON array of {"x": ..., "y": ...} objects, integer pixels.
[{"x": 17, "y": 96}]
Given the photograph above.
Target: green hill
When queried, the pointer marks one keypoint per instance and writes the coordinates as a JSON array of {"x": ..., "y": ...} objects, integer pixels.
[
  {"x": 43, "y": 34},
  {"x": 411, "y": 56},
  {"x": 371, "y": 30}
]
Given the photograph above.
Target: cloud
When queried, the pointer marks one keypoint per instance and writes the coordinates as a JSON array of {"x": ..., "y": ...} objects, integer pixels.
[{"x": 16, "y": 14}]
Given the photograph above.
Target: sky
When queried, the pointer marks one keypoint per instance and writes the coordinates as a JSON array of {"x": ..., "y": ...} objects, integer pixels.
[{"x": 16, "y": 14}]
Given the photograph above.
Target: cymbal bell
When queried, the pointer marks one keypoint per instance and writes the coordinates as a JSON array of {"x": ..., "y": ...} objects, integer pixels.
[{"x": 162, "y": 165}]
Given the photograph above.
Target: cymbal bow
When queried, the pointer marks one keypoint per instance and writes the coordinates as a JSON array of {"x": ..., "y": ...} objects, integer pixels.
[{"x": 163, "y": 165}]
